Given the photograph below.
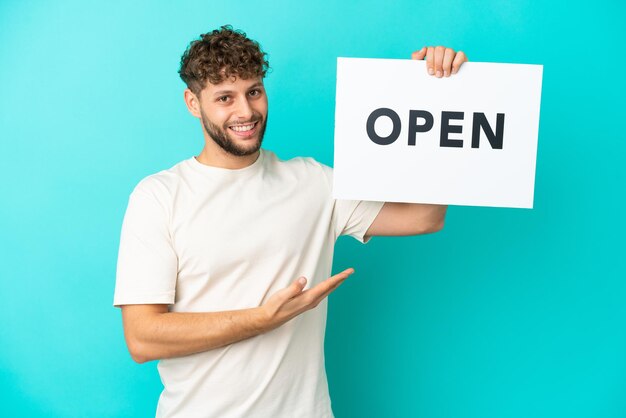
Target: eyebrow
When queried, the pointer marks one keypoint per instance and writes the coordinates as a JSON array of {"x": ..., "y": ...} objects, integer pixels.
[{"x": 221, "y": 92}]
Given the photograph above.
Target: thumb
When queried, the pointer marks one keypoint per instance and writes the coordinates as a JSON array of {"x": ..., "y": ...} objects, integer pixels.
[
  {"x": 419, "y": 55},
  {"x": 286, "y": 293},
  {"x": 296, "y": 287}
]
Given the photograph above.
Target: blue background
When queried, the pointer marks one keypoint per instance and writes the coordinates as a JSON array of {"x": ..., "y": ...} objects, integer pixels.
[{"x": 505, "y": 313}]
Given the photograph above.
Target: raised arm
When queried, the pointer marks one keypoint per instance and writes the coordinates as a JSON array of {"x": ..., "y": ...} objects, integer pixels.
[{"x": 153, "y": 333}]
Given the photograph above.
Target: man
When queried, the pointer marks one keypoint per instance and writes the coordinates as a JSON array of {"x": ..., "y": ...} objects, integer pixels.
[{"x": 224, "y": 257}]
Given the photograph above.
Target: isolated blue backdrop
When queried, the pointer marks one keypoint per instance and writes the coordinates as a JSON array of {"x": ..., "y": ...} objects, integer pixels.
[{"x": 506, "y": 313}]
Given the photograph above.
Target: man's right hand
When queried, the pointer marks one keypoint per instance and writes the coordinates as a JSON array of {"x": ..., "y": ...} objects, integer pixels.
[
  {"x": 152, "y": 332},
  {"x": 292, "y": 300}
]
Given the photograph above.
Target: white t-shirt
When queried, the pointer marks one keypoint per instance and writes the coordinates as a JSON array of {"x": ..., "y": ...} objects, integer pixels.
[{"x": 205, "y": 239}]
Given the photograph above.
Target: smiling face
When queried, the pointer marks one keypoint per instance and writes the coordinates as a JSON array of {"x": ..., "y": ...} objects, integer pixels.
[
  {"x": 234, "y": 114},
  {"x": 224, "y": 71}
]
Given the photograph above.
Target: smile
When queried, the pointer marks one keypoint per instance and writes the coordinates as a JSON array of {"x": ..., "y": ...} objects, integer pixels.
[{"x": 243, "y": 128}]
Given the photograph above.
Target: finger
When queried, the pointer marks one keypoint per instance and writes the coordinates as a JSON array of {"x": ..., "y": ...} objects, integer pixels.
[
  {"x": 448, "y": 56},
  {"x": 294, "y": 289},
  {"x": 439, "y": 52},
  {"x": 343, "y": 275},
  {"x": 430, "y": 60},
  {"x": 300, "y": 283},
  {"x": 328, "y": 285},
  {"x": 459, "y": 59},
  {"x": 336, "y": 280},
  {"x": 419, "y": 55},
  {"x": 286, "y": 296},
  {"x": 312, "y": 299}
]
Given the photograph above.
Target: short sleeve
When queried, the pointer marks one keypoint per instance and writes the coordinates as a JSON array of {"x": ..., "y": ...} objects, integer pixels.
[
  {"x": 147, "y": 264},
  {"x": 352, "y": 217}
]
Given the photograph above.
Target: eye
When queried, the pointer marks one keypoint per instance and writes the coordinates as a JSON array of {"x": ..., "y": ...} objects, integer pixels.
[
  {"x": 222, "y": 99},
  {"x": 255, "y": 92}
]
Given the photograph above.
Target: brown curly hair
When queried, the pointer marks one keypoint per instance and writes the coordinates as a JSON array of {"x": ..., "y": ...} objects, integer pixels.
[{"x": 219, "y": 55}]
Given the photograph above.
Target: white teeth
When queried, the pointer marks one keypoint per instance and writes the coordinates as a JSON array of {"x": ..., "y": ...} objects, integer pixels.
[{"x": 242, "y": 128}]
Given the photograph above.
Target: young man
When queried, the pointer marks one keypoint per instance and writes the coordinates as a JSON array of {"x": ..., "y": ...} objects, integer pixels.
[{"x": 224, "y": 257}]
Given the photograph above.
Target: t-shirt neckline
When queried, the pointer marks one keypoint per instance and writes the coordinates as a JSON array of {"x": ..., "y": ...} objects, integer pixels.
[{"x": 219, "y": 171}]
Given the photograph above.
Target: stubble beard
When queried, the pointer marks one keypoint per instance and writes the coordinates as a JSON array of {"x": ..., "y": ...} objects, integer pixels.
[{"x": 220, "y": 136}]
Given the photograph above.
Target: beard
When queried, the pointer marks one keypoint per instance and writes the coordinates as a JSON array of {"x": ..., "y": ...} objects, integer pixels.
[{"x": 220, "y": 135}]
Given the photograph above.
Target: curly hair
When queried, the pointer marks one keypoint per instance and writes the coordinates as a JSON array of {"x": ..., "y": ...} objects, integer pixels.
[{"x": 219, "y": 55}]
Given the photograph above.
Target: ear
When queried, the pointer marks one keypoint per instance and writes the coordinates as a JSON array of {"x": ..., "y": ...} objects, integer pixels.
[{"x": 193, "y": 102}]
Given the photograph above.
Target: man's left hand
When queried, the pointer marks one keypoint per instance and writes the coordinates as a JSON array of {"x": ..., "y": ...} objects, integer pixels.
[{"x": 440, "y": 61}]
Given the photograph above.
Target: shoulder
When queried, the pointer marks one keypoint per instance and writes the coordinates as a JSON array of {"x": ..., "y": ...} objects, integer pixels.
[
  {"x": 306, "y": 166},
  {"x": 160, "y": 186}
]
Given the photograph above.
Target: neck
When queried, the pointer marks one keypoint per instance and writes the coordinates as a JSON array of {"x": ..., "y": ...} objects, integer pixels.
[{"x": 215, "y": 156}]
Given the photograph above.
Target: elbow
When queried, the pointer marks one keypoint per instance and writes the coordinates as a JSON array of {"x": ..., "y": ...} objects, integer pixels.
[
  {"x": 440, "y": 220},
  {"x": 139, "y": 333},
  {"x": 432, "y": 227},
  {"x": 437, "y": 226},
  {"x": 138, "y": 351},
  {"x": 139, "y": 359},
  {"x": 434, "y": 222}
]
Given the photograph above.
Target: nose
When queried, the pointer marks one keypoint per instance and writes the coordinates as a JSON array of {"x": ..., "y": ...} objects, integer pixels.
[{"x": 243, "y": 110}]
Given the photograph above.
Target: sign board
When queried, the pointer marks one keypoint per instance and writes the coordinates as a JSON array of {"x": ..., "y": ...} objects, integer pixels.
[{"x": 402, "y": 135}]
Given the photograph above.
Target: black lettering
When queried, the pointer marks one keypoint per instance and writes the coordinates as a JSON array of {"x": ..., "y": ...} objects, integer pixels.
[
  {"x": 371, "y": 120},
  {"x": 495, "y": 140},
  {"x": 447, "y": 129},
  {"x": 414, "y": 128}
]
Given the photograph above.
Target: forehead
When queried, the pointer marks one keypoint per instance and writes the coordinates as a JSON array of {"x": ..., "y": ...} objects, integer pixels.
[{"x": 232, "y": 84}]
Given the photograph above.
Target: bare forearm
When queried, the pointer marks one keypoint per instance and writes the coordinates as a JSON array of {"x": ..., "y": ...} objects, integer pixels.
[
  {"x": 158, "y": 335},
  {"x": 426, "y": 217},
  {"x": 154, "y": 333},
  {"x": 408, "y": 219}
]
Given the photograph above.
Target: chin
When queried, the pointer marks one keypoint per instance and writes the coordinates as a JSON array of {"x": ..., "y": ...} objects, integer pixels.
[
  {"x": 247, "y": 144},
  {"x": 246, "y": 149}
]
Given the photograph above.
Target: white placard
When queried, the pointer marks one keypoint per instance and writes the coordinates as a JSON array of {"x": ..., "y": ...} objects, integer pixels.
[{"x": 485, "y": 154}]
